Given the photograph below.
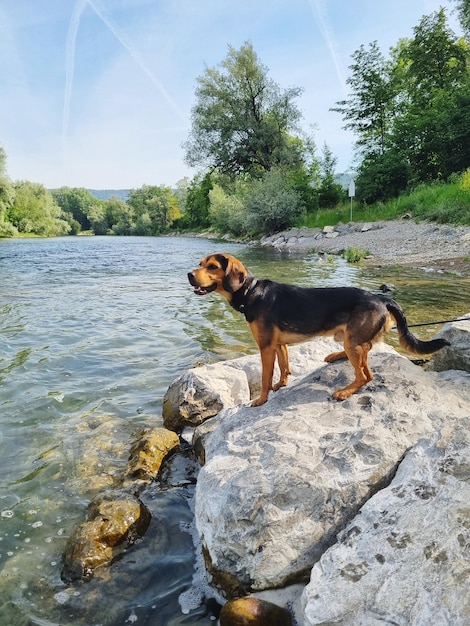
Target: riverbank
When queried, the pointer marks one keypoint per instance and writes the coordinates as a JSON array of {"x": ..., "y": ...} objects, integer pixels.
[{"x": 397, "y": 242}]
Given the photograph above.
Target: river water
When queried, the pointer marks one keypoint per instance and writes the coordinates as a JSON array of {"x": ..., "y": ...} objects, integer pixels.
[{"x": 93, "y": 330}]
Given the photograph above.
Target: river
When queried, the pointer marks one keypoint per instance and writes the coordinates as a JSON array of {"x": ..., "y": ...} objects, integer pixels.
[{"x": 93, "y": 330}]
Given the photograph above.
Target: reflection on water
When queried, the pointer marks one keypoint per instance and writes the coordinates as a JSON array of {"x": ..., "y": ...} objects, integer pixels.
[{"x": 92, "y": 331}]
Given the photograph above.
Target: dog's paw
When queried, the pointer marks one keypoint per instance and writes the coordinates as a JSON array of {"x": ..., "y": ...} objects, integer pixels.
[
  {"x": 343, "y": 394},
  {"x": 259, "y": 401}
]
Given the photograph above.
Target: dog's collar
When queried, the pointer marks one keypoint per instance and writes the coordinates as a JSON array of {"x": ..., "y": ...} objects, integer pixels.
[{"x": 245, "y": 294}]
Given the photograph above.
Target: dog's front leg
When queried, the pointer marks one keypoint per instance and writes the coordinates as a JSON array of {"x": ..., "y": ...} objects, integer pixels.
[
  {"x": 283, "y": 362},
  {"x": 268, "y": 356}
]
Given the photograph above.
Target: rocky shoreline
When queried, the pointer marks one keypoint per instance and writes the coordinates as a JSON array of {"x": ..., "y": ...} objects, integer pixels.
[
  {"x": 396, "y": 242},
  {"x": 358, "y": 510}
]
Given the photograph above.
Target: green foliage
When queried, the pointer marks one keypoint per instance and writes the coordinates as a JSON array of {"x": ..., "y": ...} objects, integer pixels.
[
  {"x": 7, "y": 196},
  {"x": 242, "y": 119},
  {"x": 272, "y": 204},
  {"x": 227, "y": 211},
  {"x": 411, "y": 112},
  {"x": 76, "y": 201},
  {"x": 330, "y": 193},
  {"x": 197, "y": 202},
  {"x": 370, "y": 108},
  {"x": 381, "y": 176},
  {"x": 355, "y": 255},
  {"x": 34, "y": 211},
  {"x": 464, "y": 15},
  {"x": 119, "y": 216},
  {"x": 151, "y": 207}
]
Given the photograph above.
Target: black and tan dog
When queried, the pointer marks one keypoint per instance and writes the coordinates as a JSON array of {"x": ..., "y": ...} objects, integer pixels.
[{"x": 279, "y": 314}]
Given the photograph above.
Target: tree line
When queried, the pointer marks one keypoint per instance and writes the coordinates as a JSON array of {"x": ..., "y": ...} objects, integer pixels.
[{"x": 258, "y": 172}]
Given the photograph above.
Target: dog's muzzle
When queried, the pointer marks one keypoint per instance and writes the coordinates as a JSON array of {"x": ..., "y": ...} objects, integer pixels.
[{"x": 199, "y": 289}]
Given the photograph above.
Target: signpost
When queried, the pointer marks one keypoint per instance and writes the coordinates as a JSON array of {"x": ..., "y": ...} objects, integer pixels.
[{"x": 352, "y": 193}]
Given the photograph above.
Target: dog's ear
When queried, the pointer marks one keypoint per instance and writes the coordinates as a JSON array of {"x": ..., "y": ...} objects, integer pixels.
[{"x": 235, "y": 274}]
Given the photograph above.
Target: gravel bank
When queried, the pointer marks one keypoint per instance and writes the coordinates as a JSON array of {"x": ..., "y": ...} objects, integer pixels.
[{"x": 387, "y": 243}]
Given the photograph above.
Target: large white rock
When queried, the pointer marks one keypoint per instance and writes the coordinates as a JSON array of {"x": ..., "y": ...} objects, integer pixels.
[
  {"x": 457, "y": 355},
  {"x": 281, "y": 480},
  {"x": 405, "y": 559}
]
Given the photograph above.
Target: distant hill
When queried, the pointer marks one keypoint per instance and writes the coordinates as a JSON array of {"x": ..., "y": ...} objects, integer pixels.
[{"x": 105, "y": 194}]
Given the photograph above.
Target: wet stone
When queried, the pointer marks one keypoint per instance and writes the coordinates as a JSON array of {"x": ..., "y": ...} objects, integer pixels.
[
  {"x": 252, "y": 611},
  {"x": 112, "y": 526}
]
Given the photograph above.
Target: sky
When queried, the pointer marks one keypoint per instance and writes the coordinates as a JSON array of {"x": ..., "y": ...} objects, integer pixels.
[{"x": 98, "y": 93}]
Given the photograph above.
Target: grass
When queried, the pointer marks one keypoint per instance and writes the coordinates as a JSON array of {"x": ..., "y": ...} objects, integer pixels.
[
  {"x": 355, "y": 255},
  {"x": 445, "y": 203}
]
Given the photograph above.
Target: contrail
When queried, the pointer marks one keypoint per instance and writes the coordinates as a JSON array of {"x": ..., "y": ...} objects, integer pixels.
[
  {"x": 98, "y": 8},
  {"x": 69, "y": 66},
  {"x": 320, "y": 13}
]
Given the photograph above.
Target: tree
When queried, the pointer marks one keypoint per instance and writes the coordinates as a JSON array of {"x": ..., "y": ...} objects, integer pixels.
[
  {"x": 7, "y": 196},
  {"x": 330, "y": 193},
  {"x": 463, "y": 7},
  {"x": 34, "y": 211},
  {"x": 119, "y": 216},
  {"x": 151, "y": 206},
  {"x": 434, "y": 74},
  {"x": 197, "y": 202},
  {"x": 77, "y": 201},
  {"x": 271, "y": 204},
  {"x": 242, "y": 119},
  {"x": 370, "y": 108}
]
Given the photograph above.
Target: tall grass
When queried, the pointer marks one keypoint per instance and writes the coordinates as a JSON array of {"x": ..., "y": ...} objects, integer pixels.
[{"x": 445, "y": 203}]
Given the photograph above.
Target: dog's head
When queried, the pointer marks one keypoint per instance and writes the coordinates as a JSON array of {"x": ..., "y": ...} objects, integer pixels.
[{"x": 222, "y": 273}]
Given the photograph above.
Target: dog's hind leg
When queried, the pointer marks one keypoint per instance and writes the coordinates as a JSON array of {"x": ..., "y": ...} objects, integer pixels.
[
  {"x": 336, "y": 356},
  {"x": 357, "y": 355},
  {"x": 283, "y": 361}
]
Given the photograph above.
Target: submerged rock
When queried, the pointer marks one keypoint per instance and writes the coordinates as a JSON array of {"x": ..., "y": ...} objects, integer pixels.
[
  {"x": 113, "y": 524},
  {"x": 148, "y": 452}
]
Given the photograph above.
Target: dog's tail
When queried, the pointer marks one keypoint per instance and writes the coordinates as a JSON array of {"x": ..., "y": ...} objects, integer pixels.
[{"x": 407, "y": 340}]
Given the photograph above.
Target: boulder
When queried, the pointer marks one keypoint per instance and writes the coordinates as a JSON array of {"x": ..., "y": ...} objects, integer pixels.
[
  {"x": 405, "y": 558},
  {"x": 281, "y": 480},
  {"x": 250, "y": 611},
  {"x": 457, "y": 355},
  {"x": 114, "y": 522},
  {"x": 148, "y": 452},
  {"x": 201, "y": 393}
]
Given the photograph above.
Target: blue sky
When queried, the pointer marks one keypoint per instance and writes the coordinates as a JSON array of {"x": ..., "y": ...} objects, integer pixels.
[{"x": 98, "y": 93}]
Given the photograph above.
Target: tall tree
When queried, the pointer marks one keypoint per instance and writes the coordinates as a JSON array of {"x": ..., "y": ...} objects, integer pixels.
[
  {"x": 7, "y": 195},
  {"x": 463, "y": 7},
  {"x": 242, "y": 119},
  {"x": 370, "y": 107},
  {"x": 34, "y": 211},
  {"x": 434, "y": 74}
]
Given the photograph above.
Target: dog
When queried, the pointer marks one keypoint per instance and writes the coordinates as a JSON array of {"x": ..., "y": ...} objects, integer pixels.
[{"x": 279, "y": 314}]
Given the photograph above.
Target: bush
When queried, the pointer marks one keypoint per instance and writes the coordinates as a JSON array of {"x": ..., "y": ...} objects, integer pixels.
[{"x": 272, "y": 204}]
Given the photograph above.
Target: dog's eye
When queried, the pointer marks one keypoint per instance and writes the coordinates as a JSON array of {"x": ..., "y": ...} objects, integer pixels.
[{"x": 212, "y": 266}]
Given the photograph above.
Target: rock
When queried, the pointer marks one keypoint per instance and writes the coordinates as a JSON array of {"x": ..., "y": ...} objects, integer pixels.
[
  {"x": 202, "y": 392},
  {"x": 328, "y": 229},
  {"x": 148, "y": 452},
  {"x": 332, "y": 234},
  {"x": 405, "y": 558},
  {"x": 115, "y": 521},
  {"x": 251, "y": 611},
  {"x": 457, "y": 355},
  {"x": 280, "y": 481},
  {"x": 366, "y": 227}
]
